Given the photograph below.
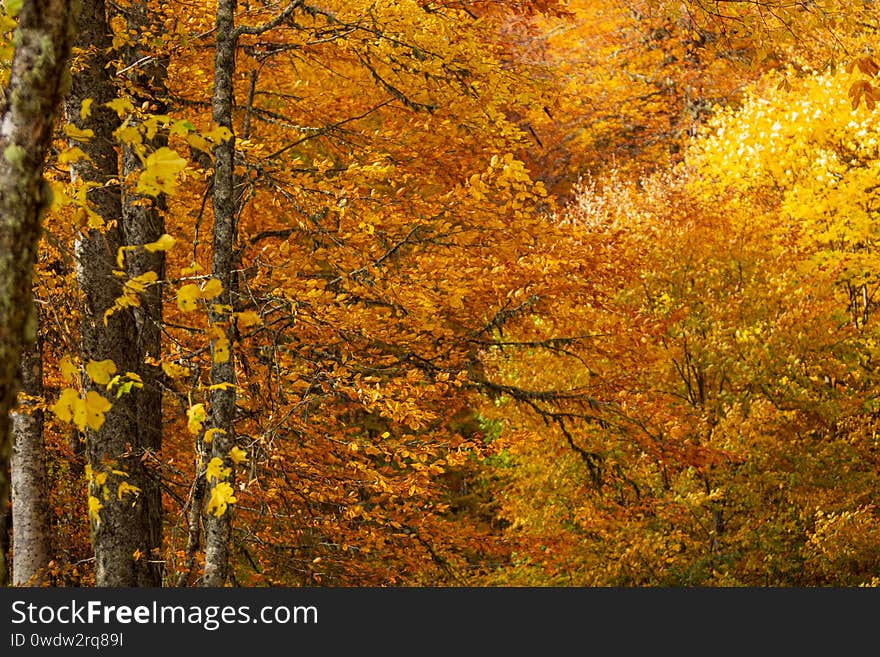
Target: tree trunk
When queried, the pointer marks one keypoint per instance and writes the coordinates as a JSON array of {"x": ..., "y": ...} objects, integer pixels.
[
  {"x": 123, "y": 530},
  {"x": 27, "y": 118},
  {"x": 31, "y": 543},
  {"x": 222, "y": 400},
  {"x": 142, "y": 223}
]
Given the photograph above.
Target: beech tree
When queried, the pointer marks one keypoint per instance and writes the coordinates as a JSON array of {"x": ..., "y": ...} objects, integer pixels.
[
  {"x": 44, "y": 34},
  {"x": 125, "y": 523}
]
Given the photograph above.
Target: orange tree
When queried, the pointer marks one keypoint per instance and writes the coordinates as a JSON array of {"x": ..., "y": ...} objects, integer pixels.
[
  {"x": 384, "y": 232},
  {"x": 733, "y": 338}
]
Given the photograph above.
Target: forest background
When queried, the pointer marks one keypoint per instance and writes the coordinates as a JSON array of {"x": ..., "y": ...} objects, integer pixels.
[{"x": 396, "y": 292}]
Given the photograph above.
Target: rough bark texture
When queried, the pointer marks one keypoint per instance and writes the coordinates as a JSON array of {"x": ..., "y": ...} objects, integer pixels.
[
  {"x": 27, "y": 118},
  {"x": 143, "y": 223},
  {"x": 125, "y": 536},
  {"x": 31, "y": 545},
  {"x": 222, "y": 401}
]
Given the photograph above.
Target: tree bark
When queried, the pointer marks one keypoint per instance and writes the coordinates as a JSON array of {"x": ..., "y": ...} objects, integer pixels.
[
  {"x": 218, "y": 530},
  {"x": 124, "y": 532},
  {"x": 142, "y": 223},
  {"x": 31, "y": 544},
  {"x": 28, "y": 112}
]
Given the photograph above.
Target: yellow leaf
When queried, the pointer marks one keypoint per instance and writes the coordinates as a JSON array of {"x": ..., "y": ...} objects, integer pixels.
[
  {"x": 72, "y": 154},
  {"x": 126, "y": 488},
  {"x": 160, "y": 172},
  {"x": 237, "y": 455},
  {"x": 222, "y": 495},
  {"x": 95, "y": 407},
  {"x": 68, "y": 370},
  {"x": 67, "y": 401},
  {"x": 139, "y": 283},
  {"x": 174, "y": 371},
  {"x": 221, "y": 350},
  {"x": 210, "y": 433},
  {"x": 94, "y": 507},
  {"x": 218, "y": 135},
  {"x": 213, "y": 287},
  {"x": 128, "y": 135},
  {"x": 194, "y": 268},
  {"x": 101, "y": 371},
  {"x": 195, "y": 418},
  {"x": 248, "y": 318},
  {"x": 216, "y": 470},
  {"x": 120, "y": 105},
  {"x": 85, "y": 108},
  {"x": 187, "y": 297},
  {"x": 198, "y": 142},
  {"x": 77, "y": 133},
  {"x": 162, "y": 244}
]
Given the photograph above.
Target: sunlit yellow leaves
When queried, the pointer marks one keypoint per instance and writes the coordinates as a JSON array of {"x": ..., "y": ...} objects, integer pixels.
[
  {"x": 164, "y": 243},
  {"x": 210, "y": 433},
  {"x": 174, "y": 371},
  {"x": 217, "y": 470},
  {"x": 78, "y": 134},
  {"x": 101, "y": 371},
  {"x": 189, "y": 294},
  {"x": 212, "y": 288},
  {"x": 187, "y": 297},
  {"x": 131, "y": 291},
  {"x": 196, "y": 416},
  {"x": 95, "y": 507},
  {"x": 204, "y": 141},
  {"x": 220, "y": 344},
  {"x": 125, "y": 384},
  {"x": 160, "y": 172},
  {"x": 83, "y": 412},
  {"x": 126, "y": 488},
  {"x": 237, "y": 455},
  {"x": 248, "y": 318},
  {"x": 71, "y": 155},
  {"x": 222, "y": 495},
  {"x": 69, "y": 371},
  {"x": 85, "y": 108},
  {"x": 121, "y": 106},
  {"x": 224, "y": 385}
]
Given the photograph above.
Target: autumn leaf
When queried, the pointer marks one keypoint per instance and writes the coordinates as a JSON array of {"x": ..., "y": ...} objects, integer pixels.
[
  {"x": 210, "y": 433},
  {"x": 85, "y": 108},
  {"x": 95, "y": 507},
  {"x": 196, "y": 416},
  {"x": 222, "y": 495},
  {"x": 216, "y": 469},
  {"x": 164, "y": 243},
  {"x": 237, "y": 455},
  {"x": 126, "y": 488},
  {"x": 173, "y": 370},
  {"x": 78, "y": 134},
  {"x": 211, "y": 289},
  {"x": 63, "y": 408},
  {"x": 82, "y": 412},
  {"x": 160, "y": 172},
  {"x": 95, "y": 406},
  {"x": 187, "y": 297},
  {"x": 121, "y": 106},
  {"x": 101, "y": 371}
]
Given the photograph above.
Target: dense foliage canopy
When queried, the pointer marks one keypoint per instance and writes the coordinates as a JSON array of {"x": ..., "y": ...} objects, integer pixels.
[{"x": 474, "y": 292}]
